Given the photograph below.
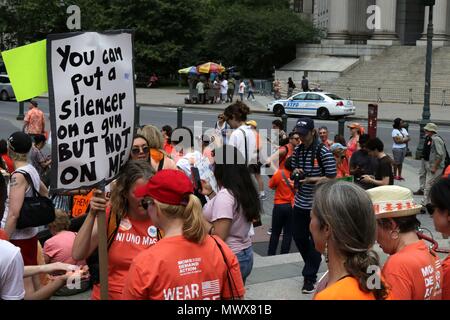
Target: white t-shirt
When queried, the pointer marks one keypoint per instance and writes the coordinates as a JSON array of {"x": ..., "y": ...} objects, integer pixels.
[
  {"x": 237, "y": 140},
  {"x": 242, "y": 87},
  {"x": 399, "y": 133},
  {"x": 224, "y": 87},
  {"x": 26, "y": 233},
  {"x": 11, "y": 272}
]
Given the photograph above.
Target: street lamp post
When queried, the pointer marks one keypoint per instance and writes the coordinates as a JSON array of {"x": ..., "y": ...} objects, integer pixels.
[{"x": 426, "y": 100}]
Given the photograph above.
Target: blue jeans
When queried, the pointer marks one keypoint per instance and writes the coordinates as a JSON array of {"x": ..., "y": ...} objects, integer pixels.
[{"x": 245, "y": 258}]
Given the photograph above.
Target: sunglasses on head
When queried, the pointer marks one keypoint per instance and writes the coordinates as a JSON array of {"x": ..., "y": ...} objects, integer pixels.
[
  {"x": 137, "y": 150},
  {"x": 147, "y": 202},
  {"x": 430, "y": 208}
]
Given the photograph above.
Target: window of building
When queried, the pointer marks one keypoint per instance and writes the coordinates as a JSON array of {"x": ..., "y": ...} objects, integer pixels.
[{"x": 298, "y": 6}]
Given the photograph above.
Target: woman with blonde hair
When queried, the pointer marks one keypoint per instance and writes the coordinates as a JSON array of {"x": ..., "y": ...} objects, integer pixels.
[
  {"x": 23, "y": 180},
  {"x": 187, "y": 257},
  {"x": 343, "y": 227},
  {"x": 158, "y": 157},
  {"x": 127, "y": 221}
]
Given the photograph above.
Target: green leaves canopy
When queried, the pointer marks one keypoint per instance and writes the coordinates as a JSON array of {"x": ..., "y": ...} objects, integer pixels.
[{"x": 253, "y": 35}]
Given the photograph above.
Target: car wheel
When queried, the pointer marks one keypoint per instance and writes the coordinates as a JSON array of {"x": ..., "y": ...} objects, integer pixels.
[
  {"x": 4, "y": 96},
  {"x": 278, "y": 110},
  {"x": 323, "y": 114}
]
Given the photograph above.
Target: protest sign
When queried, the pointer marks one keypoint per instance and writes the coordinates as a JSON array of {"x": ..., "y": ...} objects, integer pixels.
[
  {"x": 27, "y": 70},
  {"x": 92, "y": 106}
]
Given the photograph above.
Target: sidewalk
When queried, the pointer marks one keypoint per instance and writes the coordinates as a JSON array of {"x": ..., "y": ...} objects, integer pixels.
[{"x": 386, "y": 111}]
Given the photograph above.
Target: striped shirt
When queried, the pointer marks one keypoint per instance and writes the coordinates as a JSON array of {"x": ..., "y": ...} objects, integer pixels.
[{"x": 302, "y": 159}]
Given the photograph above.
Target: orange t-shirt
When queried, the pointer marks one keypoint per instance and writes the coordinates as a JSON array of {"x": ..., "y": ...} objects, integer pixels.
[
  {"x": 178, "y": 269},
  {"x": 289, "y": 152},
  {"x": 345, "y": 289},
  {"x": 133, "y": 237},
  {"x": 447, "y": 173},
  {"x": 446, "y": 279},
  {"x": 283, "y": 193},
  {"x": 414, "y": 273},
  {"x": 3, "y": 235},
  {"x": 343, "y": 169}
]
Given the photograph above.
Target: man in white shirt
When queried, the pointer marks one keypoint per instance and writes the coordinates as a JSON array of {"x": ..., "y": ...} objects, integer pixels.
[{"x": 223, "y": 90}]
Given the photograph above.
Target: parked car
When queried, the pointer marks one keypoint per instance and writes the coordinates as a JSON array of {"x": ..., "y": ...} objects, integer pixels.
[
  {"x": 6, "y": 90},
  {"x": 315, "y": 104}
]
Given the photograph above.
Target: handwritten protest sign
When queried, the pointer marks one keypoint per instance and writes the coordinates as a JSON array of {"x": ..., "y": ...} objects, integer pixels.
[
  {"x": 27, "y": 70},
  {"x": 92, "y": 105}
]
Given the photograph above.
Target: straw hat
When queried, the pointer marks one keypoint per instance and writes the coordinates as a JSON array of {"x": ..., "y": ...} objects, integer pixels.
[{"x": 393, "y": 202}]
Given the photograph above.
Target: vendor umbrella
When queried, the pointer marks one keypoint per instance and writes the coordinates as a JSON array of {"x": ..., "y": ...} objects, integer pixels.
[
  {"x": 189, "y": 70},
  {"x": 210, "y": 67}
]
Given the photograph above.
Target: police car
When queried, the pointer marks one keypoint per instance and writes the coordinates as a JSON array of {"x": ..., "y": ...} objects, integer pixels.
[{"x": 315, "y": 104}]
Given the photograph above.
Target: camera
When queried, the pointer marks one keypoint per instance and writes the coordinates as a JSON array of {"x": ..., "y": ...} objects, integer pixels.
[{"x": 297, "y": 177}]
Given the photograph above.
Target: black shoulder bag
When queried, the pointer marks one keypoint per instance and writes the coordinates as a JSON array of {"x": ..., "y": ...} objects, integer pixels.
[{"x": 36, "y": 210}]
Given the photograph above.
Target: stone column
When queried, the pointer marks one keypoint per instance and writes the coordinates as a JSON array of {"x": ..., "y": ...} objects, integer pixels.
[
  {"x": 338, "y": 22},
  {"x": 385, "y": 33},
  {"x": 440, "y": 37}
]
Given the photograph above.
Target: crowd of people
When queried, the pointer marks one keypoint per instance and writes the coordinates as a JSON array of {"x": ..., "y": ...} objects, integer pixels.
[
  {"x": 180, "y": 216},
  {"x": 220, "y": 89}
]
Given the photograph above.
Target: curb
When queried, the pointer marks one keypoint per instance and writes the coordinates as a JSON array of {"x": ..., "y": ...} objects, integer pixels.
[{"x": 209, "y": 108}]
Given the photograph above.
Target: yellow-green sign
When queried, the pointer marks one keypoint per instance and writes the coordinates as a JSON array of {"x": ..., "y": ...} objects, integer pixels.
[{"x": 27, "y": 69}]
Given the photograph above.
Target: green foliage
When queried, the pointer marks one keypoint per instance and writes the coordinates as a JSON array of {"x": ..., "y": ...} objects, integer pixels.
[
  {"x": 257, "y": 39},
  {"x": 253, "y": 35}
]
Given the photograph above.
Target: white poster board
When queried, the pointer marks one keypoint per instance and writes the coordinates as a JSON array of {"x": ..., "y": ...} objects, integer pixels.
[{"x": 92, "y": 106}]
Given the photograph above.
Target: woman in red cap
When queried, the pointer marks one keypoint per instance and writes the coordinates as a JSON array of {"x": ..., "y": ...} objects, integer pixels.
[
  {"x": 187, "y": 264},
  {"x": 130, "y": 229}
]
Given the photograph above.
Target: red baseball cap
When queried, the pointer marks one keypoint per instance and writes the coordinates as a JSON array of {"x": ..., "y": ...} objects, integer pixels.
[{"x": 167, "y": 186}]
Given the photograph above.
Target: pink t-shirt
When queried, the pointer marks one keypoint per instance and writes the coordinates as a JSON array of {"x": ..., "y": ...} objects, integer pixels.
[
  {"x": 222, "y": 206},
  {"x": 59, "y": 248}
]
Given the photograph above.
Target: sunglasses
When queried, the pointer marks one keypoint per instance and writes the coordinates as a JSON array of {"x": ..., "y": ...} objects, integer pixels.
[
  {"x": 295, "y": 138},
  {"x": 430, "y": 208},
  {"x": 145, "y": 203},
  {"x": 137, "y": 150}
]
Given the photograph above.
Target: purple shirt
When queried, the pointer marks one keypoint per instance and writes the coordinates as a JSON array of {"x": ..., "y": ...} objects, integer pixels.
[{"x": 222, "y": 206}]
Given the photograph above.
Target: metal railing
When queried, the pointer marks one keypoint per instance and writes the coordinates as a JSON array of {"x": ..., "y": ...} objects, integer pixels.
[{"x": 439, "y": 96}]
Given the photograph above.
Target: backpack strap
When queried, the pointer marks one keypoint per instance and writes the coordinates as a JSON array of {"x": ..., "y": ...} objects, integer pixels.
[
  {"x": 316, "y": 154},
  {"x": 287, "y": 181},
  {"x": 231, "y": 282},
  {"x": 161, "y": 163},
  {"x": 113, "y": 227},
  {"x": 245, "y": 141}
]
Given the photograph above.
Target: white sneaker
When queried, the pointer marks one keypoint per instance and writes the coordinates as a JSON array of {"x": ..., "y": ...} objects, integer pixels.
[{"x": 254, "y": 100}]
